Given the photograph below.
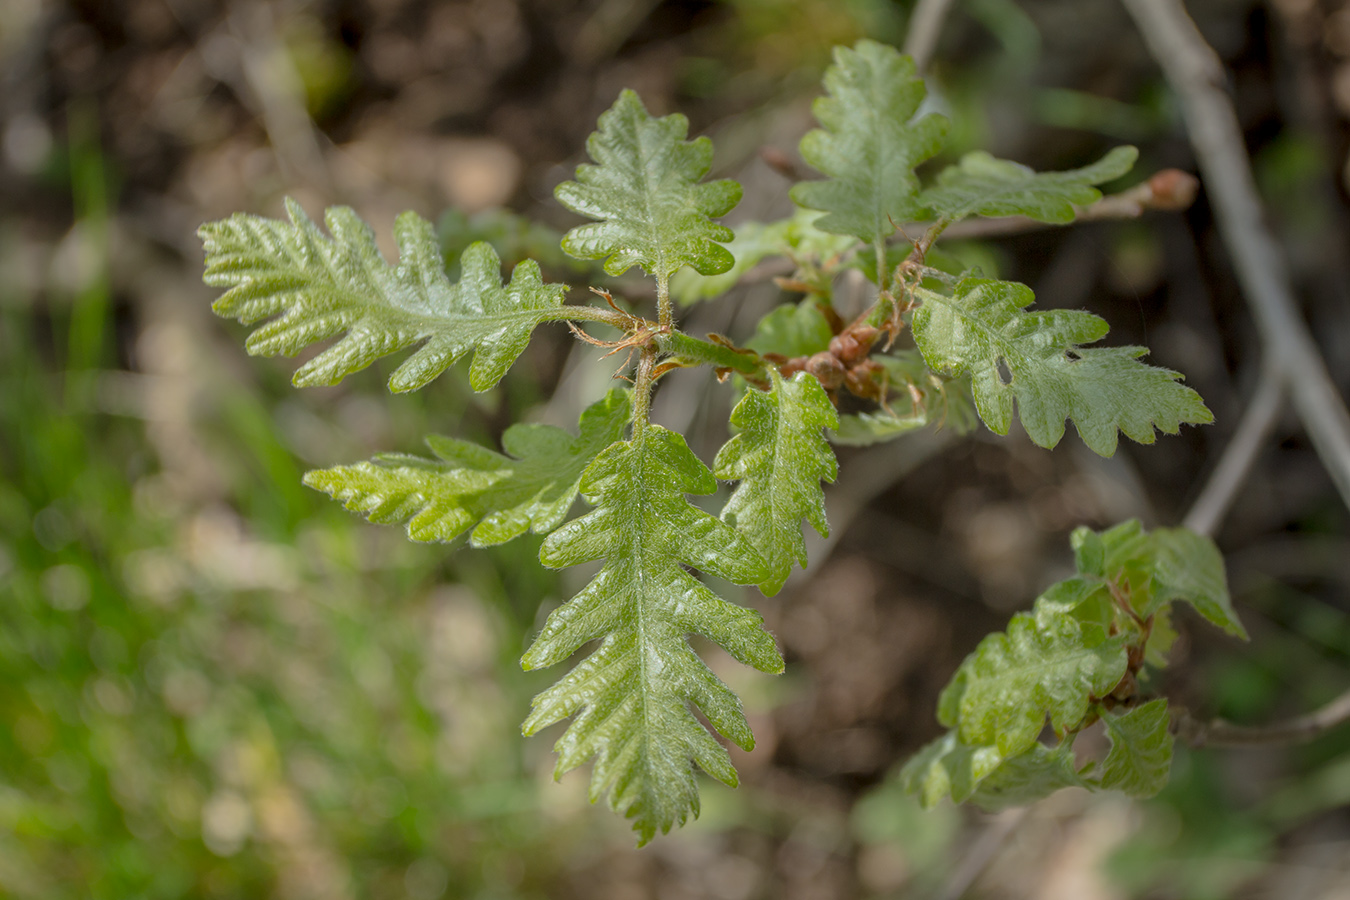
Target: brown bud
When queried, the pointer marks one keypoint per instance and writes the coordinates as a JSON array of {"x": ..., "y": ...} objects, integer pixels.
[
  {"x": 1173, "y": 189},
  {"x": 854, "y": 344},
  {"x": 828, "y": 369}
]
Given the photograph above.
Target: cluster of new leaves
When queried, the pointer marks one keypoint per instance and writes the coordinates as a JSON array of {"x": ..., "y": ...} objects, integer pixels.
[
  {"x": 1072, "y": 661},
  {"x": 632, "y": 702}
]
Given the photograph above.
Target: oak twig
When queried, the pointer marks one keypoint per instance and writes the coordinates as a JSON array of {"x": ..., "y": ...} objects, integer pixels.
[
  {"x": 1298, "y": 730},
  {"x": 1197, "y": 76},
  {"x": 925, "y": 24},
  {"x": 1239, "y": 456}
]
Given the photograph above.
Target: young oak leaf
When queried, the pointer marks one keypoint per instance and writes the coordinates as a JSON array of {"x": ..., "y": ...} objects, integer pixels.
[
  {"x": 947, "y": 767},
  {"x": 868, "y": 145},
  {"x": 631, "y": 696},
  {"x": 983, "y": 185},
  {"x": 468, "y": 485},
  {"x": 780, "y": 458},
  {"x": 310, "y": 288},
  {"x": 1160, "y": 567},
  {"x": 1043, "y": 664},
  {"x": 1102, "y": 389},
  {"x": 646, "y": 193},
  {"x": 1140, "y": 758}
]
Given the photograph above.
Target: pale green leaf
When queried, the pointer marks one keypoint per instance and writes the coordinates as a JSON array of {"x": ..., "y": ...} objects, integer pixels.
[
  {"x": 868, "y": 144},
  {"x": 631, "y": 696},
  {"x": 795, "y": 237},
  {"x": 645, "y": 192},
  {"x": 948, "y": 768},
  {"x": 1140, "y": 758},
  {"x": 780, "y": 457},
  {"x": 1044, "y": 664},
  {"x": 792, "y": 330},
  {"x": 311, "y": 288},
  {"x": 468, "y": 485},
  {"x": 868, "y": 428},
  {"x": 983, "y": 185},
  {"x": 1050, "y": 375},
  {"x": 1028, "y": 777}
]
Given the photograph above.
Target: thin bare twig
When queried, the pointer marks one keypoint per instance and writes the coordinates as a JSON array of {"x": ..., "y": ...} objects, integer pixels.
[
  {"x": 1239, "y": 456},
  {"x": 1196, "y": 75},
  {"x": 924, "y": 26},
  {"x": 1297, "y": 730},
  {"x": 982, "y": 853}
]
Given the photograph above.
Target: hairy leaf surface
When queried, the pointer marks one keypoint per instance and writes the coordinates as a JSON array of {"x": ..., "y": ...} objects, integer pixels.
[
  {"x": 310, "y": 288},
  {"x": 780, "y": 457},
  {"x": 1045, "y": 664},
  {"x": 645, "y": 191},
  {"x": 983, "y": 185},
  {"x": 1141, "y": 750},
  {"x": 1051, "y": 376},
  {"x": 631, "y": 697},
  {"x": 468, "y": 485},
  {"x": 867, "y": 145}
]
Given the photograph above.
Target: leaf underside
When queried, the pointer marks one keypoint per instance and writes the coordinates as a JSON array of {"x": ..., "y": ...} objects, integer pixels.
[
  {"x": 1052, "y": 377},
  {"x": 645, "y": 189},
  {"x": 780, "y": 457},
  {"x": 631, "y": 696},
  {"x": 982, "y": 185},
  {"x": 311, "y": 288},
  {"x": 867, "y": 145},
  {"x": 469, "y": 486}
]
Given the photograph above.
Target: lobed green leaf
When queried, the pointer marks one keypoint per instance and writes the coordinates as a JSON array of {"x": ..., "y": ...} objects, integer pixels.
[
  {"x": 982, "y": 185},
  {"x": 868, "y": 144},
  {"x": 311, "y": 288},
  {"x": 645, "y": 192},
  {"x": 468, "y": 486},
  {"x": 1140, "y": 758},
  {"x": 631, "y": 697},
  {"x": 780, "y": 457},
  {"x": 1044, "y": 664},
  {"x": 984, "y": 325}
]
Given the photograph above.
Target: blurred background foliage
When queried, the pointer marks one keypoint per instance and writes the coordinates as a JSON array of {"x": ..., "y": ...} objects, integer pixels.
[{"x": 215, "y": 683}]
